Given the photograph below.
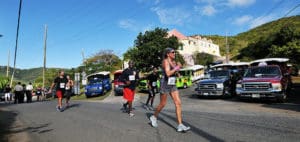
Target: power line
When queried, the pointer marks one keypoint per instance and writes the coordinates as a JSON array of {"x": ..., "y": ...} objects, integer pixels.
[{"x": 291, "y": 10}]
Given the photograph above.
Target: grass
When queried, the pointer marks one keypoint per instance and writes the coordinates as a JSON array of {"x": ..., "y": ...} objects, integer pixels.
[{"x": 96, "y": 98}]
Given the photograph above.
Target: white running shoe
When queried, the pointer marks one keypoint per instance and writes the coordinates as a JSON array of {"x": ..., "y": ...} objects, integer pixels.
[
  {"x": 153, "y": 120},
  {"x": 131, "y": 114},
  {"x": 182, "y": 128}
]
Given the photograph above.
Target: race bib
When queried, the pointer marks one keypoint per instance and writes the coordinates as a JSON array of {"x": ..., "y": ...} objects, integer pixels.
[
  {"x": 62, "y": 85},
  {"x": 153, "y": 84},
  {"x": 171, "y": 81},
  {"x": 131, "y": 77},
  {"x": 67, "y": 87}
]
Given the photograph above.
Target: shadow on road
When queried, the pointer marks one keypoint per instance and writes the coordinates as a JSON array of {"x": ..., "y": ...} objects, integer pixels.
[
  {"x": 71, "y": 106},
  {"x": 196, "y": 130},
  {"x": 7, "y": 119}
]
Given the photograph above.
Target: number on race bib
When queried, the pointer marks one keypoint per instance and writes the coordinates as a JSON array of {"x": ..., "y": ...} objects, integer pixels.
[{"x": 171, "y": 81}]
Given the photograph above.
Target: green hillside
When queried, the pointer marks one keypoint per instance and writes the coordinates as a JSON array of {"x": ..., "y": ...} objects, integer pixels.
[
  {"x": 261, "y": 39},
  {"x": 24, "y": 75}
]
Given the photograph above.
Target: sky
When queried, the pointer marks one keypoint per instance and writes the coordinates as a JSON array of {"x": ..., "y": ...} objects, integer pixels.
[{"x": 78, "y": 29}]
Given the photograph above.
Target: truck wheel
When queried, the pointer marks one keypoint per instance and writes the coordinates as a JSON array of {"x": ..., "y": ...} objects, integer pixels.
[{"x": 282, "y": 99}]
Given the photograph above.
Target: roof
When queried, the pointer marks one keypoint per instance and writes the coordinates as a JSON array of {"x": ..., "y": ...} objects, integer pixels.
[
  {"x": 102, "y": 72},
  {"x": 281, "y": 60},
  {"x": 177, "y": 34},
  {"x": 232, "y": 64}
]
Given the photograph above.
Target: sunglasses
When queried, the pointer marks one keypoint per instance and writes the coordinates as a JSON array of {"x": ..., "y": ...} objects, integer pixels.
[{"x": 173, "y": 52}]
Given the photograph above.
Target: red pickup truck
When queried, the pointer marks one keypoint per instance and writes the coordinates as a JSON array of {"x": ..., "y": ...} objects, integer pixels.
[{"x": 265, "y": 79}]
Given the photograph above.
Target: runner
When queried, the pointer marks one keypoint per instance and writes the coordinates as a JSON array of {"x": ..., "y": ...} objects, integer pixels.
[
  {"x": 60, "y": 83},
  {"x": 167, "y": 86}
]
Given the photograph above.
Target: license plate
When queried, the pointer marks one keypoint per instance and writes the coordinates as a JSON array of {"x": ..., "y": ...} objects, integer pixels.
[
  {"x": 205, "y": 94},
  {"x": 255, "y": 96}
]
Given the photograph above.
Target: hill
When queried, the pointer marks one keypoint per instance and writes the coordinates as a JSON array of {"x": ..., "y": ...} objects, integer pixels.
[
  {"x": 24, "y": 75},
  {"x": 264, "y": 33}
]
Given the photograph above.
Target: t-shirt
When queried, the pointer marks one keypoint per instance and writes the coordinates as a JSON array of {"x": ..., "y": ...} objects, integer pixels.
[
  {"x": 152, "y": 78},
  {"x": 60, "y": 83},
  {"x": 131, "y": 75},
  {"x": 7, "y": 89}
]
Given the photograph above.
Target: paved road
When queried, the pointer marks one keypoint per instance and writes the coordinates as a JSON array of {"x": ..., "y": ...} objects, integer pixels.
[{"x": 211, "y": 119}]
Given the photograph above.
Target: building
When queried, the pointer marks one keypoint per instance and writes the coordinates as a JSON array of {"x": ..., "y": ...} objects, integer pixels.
[{"x": 194, "y": 44}]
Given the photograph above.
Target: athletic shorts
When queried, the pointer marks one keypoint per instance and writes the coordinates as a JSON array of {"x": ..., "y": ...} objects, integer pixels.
[
  {"x": 165, "y": 88},
  {"x": 7, "y": 95},
  {"x": 59, "y": 94},
  {"x": 128, "y": 94}
]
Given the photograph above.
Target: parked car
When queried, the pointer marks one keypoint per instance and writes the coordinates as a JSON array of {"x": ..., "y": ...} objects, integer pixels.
[
  {"x": 118, "y": 85},
  {"x": 98, "y": 84},
  {"x": 265, "y": 79},
  {"x": 217, "y": 83},
  {"x": 2, "y": 96}
]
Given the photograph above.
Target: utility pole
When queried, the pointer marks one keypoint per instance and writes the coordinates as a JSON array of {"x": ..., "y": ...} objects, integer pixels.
[
  {"x": 45, "y": 45},
  {"x": 16, "y": 47},
  {"x": 7, "y": 68},
  {"x": 227, "y": 50},
  {"x": 83, "y": 59}
]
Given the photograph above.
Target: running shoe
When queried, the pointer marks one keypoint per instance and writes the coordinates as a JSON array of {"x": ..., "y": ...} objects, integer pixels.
[
  {"x": 153, "y": 120},
  {"x": 125, "y": 107},
  {"x": 182, "y": 128},
  {"x": 146, "y": 107},
  {"x": 131, "y": 114},
  {"x": 57, "y": 108}
]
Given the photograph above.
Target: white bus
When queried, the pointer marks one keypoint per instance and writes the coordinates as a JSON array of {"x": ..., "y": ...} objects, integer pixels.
[{"x": 197, "y": 72}]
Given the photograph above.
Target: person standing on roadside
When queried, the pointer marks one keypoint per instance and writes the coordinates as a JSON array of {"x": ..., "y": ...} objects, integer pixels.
[
  {"x": 8, "y": 95},
  {"x": 130, "y": 78},
  {"x": 18, "y": 92},
  {"x": 168, "y": 87},
  {"x": 152, "y": 88},
  {"x": 60, "y": 84},
  {"x": 39, "y": 93},
  {"x": 68, "y": 92},
  {"x": 28, "y": 92}
]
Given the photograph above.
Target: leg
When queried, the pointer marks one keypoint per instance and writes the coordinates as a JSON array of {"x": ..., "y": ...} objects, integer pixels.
[
  {"x": 162, "y": 103},
  {"x": 177, "y": 103},
  {"x": 152, "y": 97}
]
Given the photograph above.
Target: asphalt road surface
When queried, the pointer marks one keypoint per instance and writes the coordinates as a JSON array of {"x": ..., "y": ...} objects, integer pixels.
[{"x": 210, "y": 119}]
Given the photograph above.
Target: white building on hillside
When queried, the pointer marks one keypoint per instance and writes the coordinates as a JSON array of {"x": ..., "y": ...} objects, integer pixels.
[{"x": 194, "y": 44}]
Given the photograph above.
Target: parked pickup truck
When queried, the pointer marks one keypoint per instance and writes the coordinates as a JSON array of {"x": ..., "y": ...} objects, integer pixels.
[
  {"x": 217, "y": 83},
  {"x": 265, "y": 79}
]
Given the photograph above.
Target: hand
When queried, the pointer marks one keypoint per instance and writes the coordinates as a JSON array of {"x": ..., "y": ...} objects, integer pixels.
[{"x": 177, "y": 68}]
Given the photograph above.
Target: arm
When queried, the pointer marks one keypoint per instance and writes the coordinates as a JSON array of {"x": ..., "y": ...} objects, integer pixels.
[{"x": 169, "y": 72}]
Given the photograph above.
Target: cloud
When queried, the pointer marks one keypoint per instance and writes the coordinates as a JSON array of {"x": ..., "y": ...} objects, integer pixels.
[
  {"x": 132, "y": 25},
  {"x": 243, "y": 20},
  {"x": 149, "y": 1},
  {"x": 240, "y": 3},
  {"x": 208, "y": 10},
  {"x": 171, "y": 16},
  {"x": 128, "y": 24}
]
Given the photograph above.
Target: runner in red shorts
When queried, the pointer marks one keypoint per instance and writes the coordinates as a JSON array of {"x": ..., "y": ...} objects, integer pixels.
[
  {"x": 60, "y": 85},
  {"x": 129, "y": 77}
]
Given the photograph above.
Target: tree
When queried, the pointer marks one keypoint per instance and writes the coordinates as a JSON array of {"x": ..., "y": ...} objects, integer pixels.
[
  {"x": 104, "y": 60},
  {"x": 3, "y": 82},
  {"x": 203, "y": 58},
  {"x": 149, "y": 48}
]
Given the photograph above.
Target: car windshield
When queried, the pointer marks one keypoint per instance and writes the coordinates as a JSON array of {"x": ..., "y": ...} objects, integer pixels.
[
  {"x": 218, "y": 74},
  {"x": 266, "y": 71},
  {"x": 95, "y": 80}
]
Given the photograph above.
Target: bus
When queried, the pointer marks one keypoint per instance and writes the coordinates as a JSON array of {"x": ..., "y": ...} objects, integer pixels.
[
  {"x": 197, "y": 72},
  {"x": 98, "y": 83},
  {"x": 184, "y": 78}
]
